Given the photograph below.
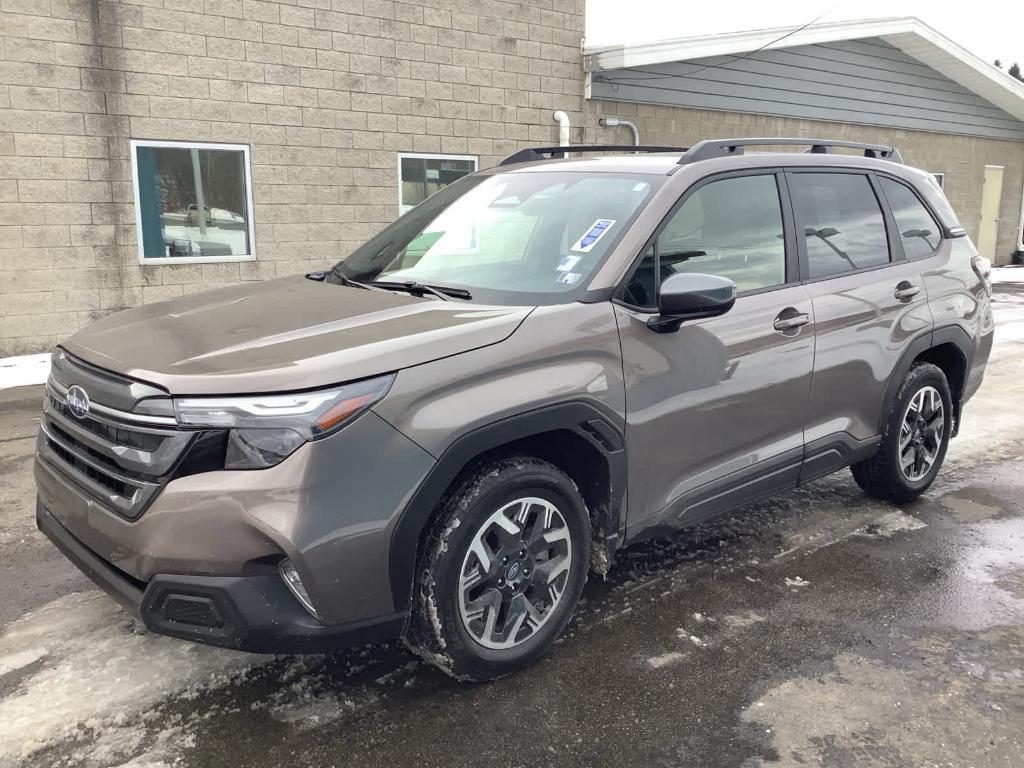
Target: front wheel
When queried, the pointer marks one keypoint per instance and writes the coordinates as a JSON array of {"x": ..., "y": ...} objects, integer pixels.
[
  {"x": 502, "y": 570},
  {"x": 915, "y": 440}
]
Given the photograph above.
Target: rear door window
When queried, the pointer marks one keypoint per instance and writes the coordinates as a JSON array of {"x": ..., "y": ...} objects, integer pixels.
[
  {"x": 840, "y": 222},
  {"x": 919, "y": 233}
]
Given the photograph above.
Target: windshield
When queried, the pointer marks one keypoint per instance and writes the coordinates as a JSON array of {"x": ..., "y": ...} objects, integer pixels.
[{"x": 507, "y": 238}]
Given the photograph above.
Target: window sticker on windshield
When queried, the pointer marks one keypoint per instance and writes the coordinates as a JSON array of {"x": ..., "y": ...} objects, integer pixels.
[
  {"x": 567, "y": 263},
  {"x": 597, "y": 230},
  {"x": 568, "y": 278}
]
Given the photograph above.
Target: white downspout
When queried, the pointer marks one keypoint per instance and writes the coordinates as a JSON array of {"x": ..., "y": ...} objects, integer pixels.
[{"x": 564, "y": 126}]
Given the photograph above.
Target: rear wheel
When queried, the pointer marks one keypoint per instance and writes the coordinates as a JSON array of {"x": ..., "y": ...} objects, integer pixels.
[
  {"x": 503, "y": 569},
  {"x": 915, "y": 440}
]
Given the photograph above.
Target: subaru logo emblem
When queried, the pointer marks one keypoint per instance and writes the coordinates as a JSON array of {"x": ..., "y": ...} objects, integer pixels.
[
  {"x": 512, "y": 572},
  {"x": 77, "y": 401}
]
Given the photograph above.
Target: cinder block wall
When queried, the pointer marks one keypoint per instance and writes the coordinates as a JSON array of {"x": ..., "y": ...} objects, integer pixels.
[
  {"x": 961, "y": 158},
  {"x": 325, "y": 92}
]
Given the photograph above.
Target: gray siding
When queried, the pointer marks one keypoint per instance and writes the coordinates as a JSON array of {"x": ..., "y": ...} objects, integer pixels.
[{"x": 864, "y": 81}]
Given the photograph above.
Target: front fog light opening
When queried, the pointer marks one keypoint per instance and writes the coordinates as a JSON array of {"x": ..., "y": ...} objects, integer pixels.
[{"x": 291, "y": 578}]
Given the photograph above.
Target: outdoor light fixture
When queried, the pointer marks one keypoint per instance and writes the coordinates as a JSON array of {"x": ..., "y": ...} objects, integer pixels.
[{"x": 614, "y": 122}]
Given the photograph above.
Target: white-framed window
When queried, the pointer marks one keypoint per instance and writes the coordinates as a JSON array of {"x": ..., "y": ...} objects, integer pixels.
[
  {"x": 193, "y": 202},
  {"x": 940, "y": 179},
  {"x": 420, "y": 176}
]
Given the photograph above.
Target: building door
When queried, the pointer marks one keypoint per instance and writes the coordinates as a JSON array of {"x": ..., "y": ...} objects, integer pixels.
[{"x": 991, "y": 196}]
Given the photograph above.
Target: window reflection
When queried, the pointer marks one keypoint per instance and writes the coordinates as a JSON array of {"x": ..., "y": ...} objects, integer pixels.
[
  {"x": 841, "y": 222},
  {"x": 193, "y": 202},
  {"x": 919, "y": 233},
  {"x": 423, "y": 175}
]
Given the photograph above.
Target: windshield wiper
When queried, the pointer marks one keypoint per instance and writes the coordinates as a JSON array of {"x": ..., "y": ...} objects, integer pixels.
[
  {"x": 442, "y": 292},
  {"x": 341, "y": 278}
]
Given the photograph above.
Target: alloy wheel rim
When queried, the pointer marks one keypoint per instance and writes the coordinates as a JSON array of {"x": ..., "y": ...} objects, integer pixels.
[
  {"x": 514, "y": 575},
  {"x": 921, "y": 433}
]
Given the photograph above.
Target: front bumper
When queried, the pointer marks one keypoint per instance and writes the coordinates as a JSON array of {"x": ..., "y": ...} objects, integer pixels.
[
  {"x": 330, "y": 508},
  {"x": 248, "y": 613}
]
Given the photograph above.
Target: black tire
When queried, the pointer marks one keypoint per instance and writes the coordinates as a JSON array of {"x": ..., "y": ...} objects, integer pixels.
[
  {"x": 437, "y": 630},
  {"x": 882, "y": 476}
]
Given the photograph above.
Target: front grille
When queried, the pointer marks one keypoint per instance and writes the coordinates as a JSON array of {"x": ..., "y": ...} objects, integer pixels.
[
  {"x": 112, "y": 434},
  {"x": 120, "y": 457},
  {"x": 74, "y": 446},
  {"x": 98, "y": 476}
]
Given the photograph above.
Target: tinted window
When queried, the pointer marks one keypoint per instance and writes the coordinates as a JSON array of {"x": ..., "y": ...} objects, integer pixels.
[
  {"x": 731, "y": 228},
  {"x": 919, "y": 233},
  {"x": 838, "y": 216}
]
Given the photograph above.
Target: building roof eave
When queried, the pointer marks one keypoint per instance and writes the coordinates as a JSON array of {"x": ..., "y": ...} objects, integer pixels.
[{"x": 909, "y": 34}]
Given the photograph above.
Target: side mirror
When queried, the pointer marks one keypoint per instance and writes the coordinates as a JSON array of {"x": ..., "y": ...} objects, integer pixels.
[{"x": 690, "y": 295}]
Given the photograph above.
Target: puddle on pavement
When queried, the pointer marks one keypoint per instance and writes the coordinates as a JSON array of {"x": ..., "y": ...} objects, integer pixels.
[{"x": 967, "y": 509}]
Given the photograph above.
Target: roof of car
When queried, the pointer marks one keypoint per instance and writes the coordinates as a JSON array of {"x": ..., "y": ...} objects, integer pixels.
[
  {"x": 666, "y": 163},
  {"x": 724, "y": 155}
]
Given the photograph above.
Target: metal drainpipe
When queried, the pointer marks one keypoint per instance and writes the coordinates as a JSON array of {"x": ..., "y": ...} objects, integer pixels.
[
  {"x": 563, "y": 127},
  {"x": 611, "y": 122}
]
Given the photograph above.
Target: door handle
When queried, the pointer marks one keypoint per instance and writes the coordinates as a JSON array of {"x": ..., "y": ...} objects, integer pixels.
[
  {"x": 906, "y": 291},
  {"x": 787, "y": 322}
]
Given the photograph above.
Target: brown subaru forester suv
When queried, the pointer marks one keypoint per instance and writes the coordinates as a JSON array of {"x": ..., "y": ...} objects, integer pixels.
[{"x": 438, "y": 438}]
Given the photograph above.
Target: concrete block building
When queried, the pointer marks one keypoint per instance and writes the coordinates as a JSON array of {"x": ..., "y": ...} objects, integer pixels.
[{"x": 150, "y": 148}]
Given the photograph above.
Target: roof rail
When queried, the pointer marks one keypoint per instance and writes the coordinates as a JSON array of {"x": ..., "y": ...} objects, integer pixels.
[
  {"x": 546, "y": 153},
  {"x": 710, "y": 148}
]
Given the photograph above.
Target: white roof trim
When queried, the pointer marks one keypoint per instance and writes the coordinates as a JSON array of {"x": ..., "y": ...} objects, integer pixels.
[{"x": 909, "y": 34}]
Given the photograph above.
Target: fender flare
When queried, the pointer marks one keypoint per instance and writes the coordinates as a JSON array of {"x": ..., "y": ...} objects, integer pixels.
[
  {"x": 949, "y": 334},
  {"x": 586, "y": 420}
]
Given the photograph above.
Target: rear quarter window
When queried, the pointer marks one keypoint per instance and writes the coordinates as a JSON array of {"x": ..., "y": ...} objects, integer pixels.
[{"x": 919, "y": 233}]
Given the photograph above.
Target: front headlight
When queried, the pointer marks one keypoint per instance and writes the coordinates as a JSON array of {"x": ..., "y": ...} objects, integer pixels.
[{"x": 266, "y": 429}]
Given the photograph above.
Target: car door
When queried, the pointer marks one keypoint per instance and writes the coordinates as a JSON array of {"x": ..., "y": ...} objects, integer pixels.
[
  {"x": 868, "y": 302},
  {"x": 715, "y": 410}
]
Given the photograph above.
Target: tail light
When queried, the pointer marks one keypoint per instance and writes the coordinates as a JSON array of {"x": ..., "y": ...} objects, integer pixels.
[{"x": 983, "y": 269}]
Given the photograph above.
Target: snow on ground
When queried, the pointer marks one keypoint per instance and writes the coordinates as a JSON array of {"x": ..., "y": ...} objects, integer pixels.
[
  {"x": 90, "y": 679},
  {"x": 1014, "y": 274},
  {"x": 23, "y": 370},
  {"x": 995, "y": 412}
]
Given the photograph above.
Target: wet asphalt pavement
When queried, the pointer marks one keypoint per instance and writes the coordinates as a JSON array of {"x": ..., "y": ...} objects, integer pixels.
[{"x": 819, "y": 628}]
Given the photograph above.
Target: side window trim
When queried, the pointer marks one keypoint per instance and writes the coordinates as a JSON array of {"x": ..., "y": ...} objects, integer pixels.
[
  {"x": 793, "y": 273},
  {"x": 939, "y": 228},
  {"x": 805, "y": 278},
  {"x": 892, "y": 232}
]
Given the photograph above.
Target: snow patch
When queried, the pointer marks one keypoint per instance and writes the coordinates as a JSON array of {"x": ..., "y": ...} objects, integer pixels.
[
  {"x": 97, "y": 679},
  {"x": 311, "y": 710},
  {"x": 1007, "y": 275},
  {"x": 743, "y": 620},
  {"x": 796, "y": 581},
  {"x": 24, "y": 370},
  {"x": 20, "y": 659},
  {"x": 683, "y": 634},
  {"x": 889, "y": 524},
  {"x": 665, "y": 659}
]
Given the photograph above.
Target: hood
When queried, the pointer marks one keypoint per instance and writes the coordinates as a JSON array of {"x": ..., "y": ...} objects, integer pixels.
[{"x": 285, "y": 334}]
